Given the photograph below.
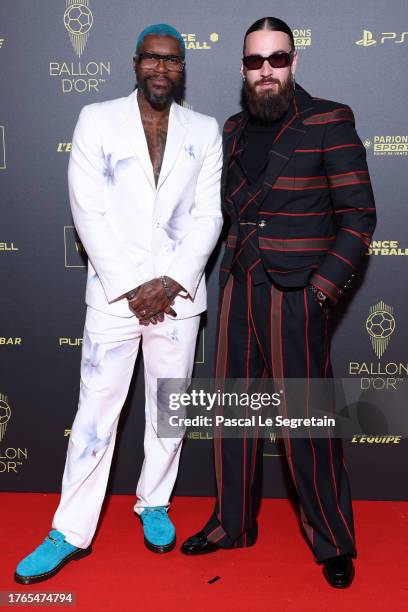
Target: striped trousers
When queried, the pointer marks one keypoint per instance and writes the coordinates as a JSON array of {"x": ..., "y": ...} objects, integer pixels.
[{"x": 263, "y": 330}]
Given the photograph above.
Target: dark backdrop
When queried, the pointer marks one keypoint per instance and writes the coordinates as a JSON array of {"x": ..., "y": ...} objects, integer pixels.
[{"x": 49, "y": 68}]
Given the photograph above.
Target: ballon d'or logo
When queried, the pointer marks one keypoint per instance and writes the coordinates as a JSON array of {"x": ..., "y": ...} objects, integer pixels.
[
  {"x": 380, "y": 325},
  {"x": 5, "y": 414},
  {"x": 78, "y": 21}
]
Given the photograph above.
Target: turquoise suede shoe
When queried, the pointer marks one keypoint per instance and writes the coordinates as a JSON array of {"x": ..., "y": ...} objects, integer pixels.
[
  {"x": 159, "y": 531},
  {"x": 46, "y": 560}
]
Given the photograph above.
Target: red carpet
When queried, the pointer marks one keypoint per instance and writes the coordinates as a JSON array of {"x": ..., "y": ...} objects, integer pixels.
[{"x": 277, "y": 573}]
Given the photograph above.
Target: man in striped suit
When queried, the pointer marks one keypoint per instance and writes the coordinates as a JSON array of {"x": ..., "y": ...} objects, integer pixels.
[{"x": 296, "y": 189}]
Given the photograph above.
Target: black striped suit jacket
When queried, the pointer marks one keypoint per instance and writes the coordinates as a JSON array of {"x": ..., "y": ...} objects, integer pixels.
[{"x": 315, "y": 206}]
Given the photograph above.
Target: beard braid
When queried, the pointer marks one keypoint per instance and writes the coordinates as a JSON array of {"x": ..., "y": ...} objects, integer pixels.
[{"x": 268, "y": 106}]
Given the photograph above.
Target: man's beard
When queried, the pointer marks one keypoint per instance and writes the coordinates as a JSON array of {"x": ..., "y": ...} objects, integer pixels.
[
  {"x": 159, "y": 101},
  {"x": 268, "y": 105}
]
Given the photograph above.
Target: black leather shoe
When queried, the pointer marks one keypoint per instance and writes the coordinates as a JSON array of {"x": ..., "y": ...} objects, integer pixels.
[
  {"x": 339, "y": 571},
  {"x": 198, "y": 545}
]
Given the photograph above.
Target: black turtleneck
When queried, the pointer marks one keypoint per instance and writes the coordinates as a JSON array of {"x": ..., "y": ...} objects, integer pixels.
[{"x": 257, "y": 140}]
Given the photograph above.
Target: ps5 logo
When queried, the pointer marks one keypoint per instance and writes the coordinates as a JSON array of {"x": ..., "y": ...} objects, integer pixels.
[{"x": 368, "y": 39}]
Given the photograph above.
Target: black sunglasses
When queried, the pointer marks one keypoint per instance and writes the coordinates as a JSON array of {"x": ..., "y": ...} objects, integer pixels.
[{"x": 280, "y": 59}]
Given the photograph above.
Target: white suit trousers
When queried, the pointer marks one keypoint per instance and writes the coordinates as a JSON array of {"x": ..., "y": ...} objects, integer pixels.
[{"x": 110, "y": 347}]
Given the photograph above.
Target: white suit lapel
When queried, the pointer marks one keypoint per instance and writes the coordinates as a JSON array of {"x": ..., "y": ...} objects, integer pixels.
[
  {"x": 176, "y": 134},
  {"x": 132, "y": 139}
]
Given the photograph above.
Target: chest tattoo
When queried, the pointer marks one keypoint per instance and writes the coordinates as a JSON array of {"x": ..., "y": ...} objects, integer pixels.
[{"x": 156, "y": 136}]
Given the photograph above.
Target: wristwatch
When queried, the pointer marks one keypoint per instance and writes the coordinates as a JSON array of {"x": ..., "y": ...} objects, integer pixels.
[
  {"x": 166, "y": 288},
  {"x": 319, "y": 296},
  {"x": 132, "y": 294}
]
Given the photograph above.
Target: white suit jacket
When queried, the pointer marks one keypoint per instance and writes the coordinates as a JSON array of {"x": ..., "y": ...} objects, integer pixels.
[{"x": 132, "y": 230}]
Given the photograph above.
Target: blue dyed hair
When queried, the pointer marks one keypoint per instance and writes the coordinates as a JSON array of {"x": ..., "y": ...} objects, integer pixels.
[{"x": 161, "y": 29}]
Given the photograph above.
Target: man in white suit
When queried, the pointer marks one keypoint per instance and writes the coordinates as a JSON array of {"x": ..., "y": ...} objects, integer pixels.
[{"x": 144, "y": 184}]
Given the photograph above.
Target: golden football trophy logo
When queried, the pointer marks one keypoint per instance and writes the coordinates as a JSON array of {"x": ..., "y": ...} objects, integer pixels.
[
  {"x": 367, "y": 39},
  {"x": 380, "y": 325},
  {"x": 5, "y": 414},
  {"x": 78, "y": 21}
]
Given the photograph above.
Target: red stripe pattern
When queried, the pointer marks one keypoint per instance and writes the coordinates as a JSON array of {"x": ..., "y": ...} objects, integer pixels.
[
  {"x": 292, "y": 183},
  {"x": 349, "y": 178},
  {"x": 326, "y": 286},
  {"x": 296, "y": 244},
  {"x": 365, "y": 238},
  {"x": 327, "y": 149},
  {"x": 231, "y": 241},
  {"x": 339, "y": 114},
  {"x": 322, "y": 178}
]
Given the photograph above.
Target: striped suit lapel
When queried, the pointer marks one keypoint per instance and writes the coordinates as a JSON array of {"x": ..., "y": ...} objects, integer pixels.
[
  {"x": 231, "y": 135},
  {"x": 287, "y": 140}
]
